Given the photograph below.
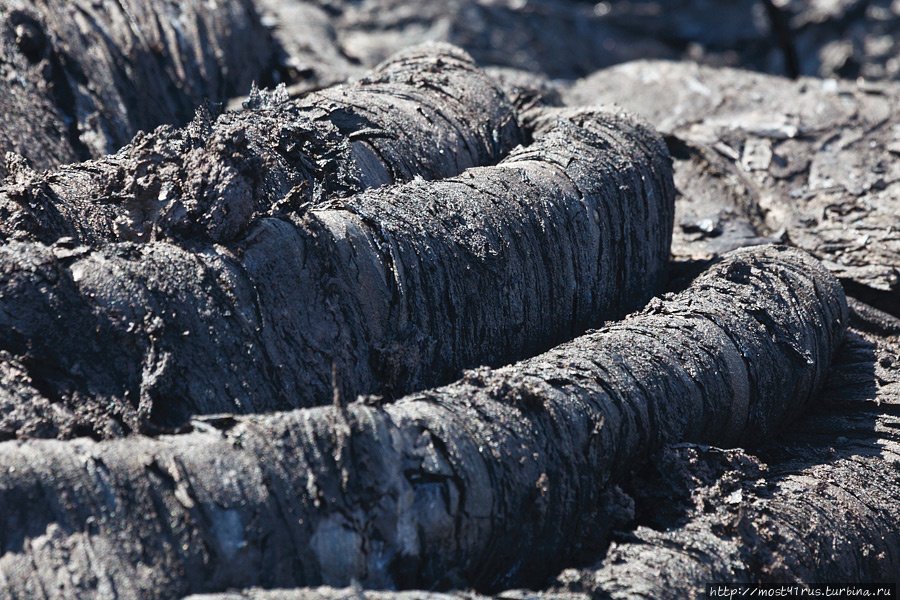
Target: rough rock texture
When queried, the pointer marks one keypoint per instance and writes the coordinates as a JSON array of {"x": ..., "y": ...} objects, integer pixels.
[
  {"x": 324, "y": 40},
  {"x": 754, "y": 34},
  {"x": 309, "y": 54},
  {"x": 429, "y": 112},
  {"x": 551, "y": 37},
  {"x": 846, "y": 38},
  {"x": 81, "y": 77},
  {"x": 357, "y": 593},
  {"x": 756, "y": 159},
  {"x": 526, "y": 90},
  {"x": 385, "y": 292},
  {"x": 817, "y": 505},
  {"x": 812, "y": 162},
  {"x": 488, "y": 482},
  {"x": 833, "y": 38}
]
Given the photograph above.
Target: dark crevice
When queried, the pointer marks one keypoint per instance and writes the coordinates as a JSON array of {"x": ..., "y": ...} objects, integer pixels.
[
  {"x": 35, "y": 45},
  {"x": 784, "y": 36},
  {"x": 886, "y": 301},
  {"x": 65, "y": 101}
]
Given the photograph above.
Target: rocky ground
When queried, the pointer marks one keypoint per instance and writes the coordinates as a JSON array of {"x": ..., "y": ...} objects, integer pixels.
[{"x": 781, "y": 121}]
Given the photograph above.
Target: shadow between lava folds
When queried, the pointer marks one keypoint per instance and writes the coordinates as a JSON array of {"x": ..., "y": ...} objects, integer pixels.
[
  {"x": 888, "y": 301},
  {"x": 683, "y": 481},
  {"x": 843, "y": 426}
]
